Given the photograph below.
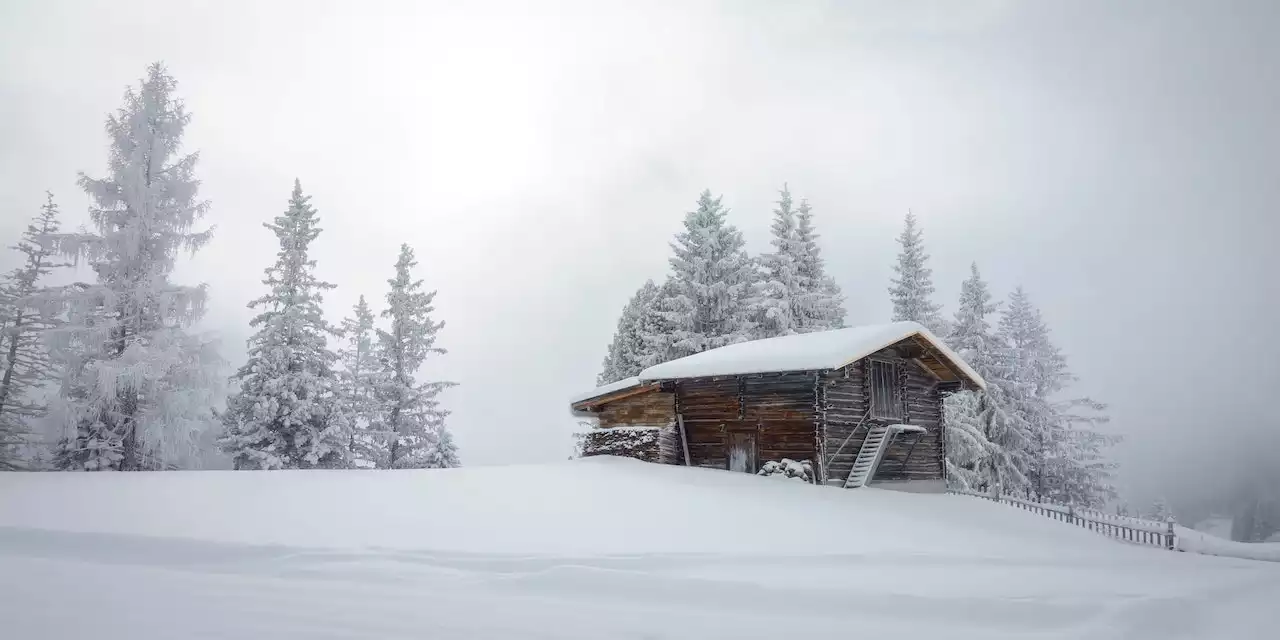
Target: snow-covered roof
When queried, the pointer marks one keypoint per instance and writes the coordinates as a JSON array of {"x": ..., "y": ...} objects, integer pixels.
[
  {"x": 612, "y": 387},
  {"x": 802, "y": 352}
]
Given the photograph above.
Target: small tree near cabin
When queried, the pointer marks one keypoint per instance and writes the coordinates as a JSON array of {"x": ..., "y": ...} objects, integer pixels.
[
  {"x": 626, "y": 356},
  {"x": 710, "y": 303},
  {"x": 912, "y": 290}
]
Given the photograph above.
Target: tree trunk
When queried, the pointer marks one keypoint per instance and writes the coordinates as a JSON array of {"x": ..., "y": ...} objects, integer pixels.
[
  {"x": 131, "y": 460},
  {"x": 11, "y": 362}
]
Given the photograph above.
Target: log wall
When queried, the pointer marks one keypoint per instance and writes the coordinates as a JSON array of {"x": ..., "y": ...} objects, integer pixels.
[
  {"x": 777, "y": 409},
  {"x": 843, "y": 403},
  {"x": 653, "y": 409}
]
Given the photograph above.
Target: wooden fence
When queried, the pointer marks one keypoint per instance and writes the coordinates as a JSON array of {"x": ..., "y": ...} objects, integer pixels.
[{"x": 1135, "y": 530}]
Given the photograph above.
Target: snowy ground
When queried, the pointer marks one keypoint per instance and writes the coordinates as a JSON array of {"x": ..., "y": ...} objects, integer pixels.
[{"x": 602, "y": 548}]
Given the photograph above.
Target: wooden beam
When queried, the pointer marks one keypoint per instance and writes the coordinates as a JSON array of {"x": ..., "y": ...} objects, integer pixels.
[
  {"x": 928, "y": 351},
  {"x": 591, "y": 404},
  {"x": 684, "y": 438},
  {"x": 926, "y": 368}
]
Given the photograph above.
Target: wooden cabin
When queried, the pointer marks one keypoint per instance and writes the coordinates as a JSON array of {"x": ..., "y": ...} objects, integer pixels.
[{"x": 862, "y": 404}]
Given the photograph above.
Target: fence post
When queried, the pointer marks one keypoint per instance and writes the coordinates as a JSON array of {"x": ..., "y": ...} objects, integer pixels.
[{"x": 1168, "y": 536}]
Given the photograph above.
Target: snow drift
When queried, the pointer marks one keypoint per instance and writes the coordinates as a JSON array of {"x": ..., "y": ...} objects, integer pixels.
[{"x": 594, "y": 548}]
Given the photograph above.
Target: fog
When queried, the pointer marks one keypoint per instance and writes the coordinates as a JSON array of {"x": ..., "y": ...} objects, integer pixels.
[{"x": 1116, "y": 159}]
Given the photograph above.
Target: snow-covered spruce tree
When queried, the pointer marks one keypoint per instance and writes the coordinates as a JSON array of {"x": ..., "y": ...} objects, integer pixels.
[
  {"x": 710, "y": 304},
  {"x": 986, "y": 443},
  {"x": 358, "y": 382},
  {"x": 1159, "y": 510},
  {"x": 912, "y": 290},
  {"x": 1066, "y": 461},
  {"x": 136, "y": 388},
  {"x": 443, "y": 454},
  {"x": 656, "y": 330},
  {"x": 412, "y": 425},
  {"x": 25, "y": 364},
  {"x": 822, "y": 307},
  {"x": 794, "y": 294},
  {"x": 626, "y": 353},
  {"x": 286, "y": 412},
  {"x": 780, "y": 291}
]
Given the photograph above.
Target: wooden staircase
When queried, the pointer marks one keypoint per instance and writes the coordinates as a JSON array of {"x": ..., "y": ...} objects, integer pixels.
[{"x": 878, "y": 439}]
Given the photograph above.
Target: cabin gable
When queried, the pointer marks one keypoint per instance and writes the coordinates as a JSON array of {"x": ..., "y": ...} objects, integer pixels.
[{"x": 853, "y": 399}]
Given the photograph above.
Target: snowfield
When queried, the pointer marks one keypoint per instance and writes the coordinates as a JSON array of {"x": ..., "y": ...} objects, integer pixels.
[{"x": 599, "y": 548}]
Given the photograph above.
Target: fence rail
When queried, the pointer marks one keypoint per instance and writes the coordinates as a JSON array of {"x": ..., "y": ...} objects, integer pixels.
[{"x": 1135, "y": 530}]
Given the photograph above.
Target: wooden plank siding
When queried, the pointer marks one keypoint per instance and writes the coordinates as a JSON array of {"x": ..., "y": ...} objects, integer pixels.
[
  {"x": 779, "y": 409},
  {"x": 924, "y": 409},
  {"x": 653, "y": 409},
  {"x": 846, "y": 401},
  {"x": 845, "y": 407}
]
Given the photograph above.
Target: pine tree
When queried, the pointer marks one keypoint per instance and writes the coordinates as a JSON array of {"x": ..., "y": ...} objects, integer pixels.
[
  {"x": 443, "y": 453},
  {"x": 712, "y": 280},
  {"x": 413, "y": 422},
  {"x": 656, "y": 330},
  {"x": 626, "y": 354},
  {"x": 987, "y": 442},
  {"x": 1159, "y": 510},
  {"x": 780, "y": 291},
  {"x": 822, "y": 307},
  {"x": 285, "y": 413},
  {"x": 1066, "y": 460},
  {"x": 794, "y": 294},
  {"x": 912, "y": 289},
  {"x": 358, "y": 382},
  {"x": 970, "y": 455},
  {"x": 25, "y": 364},
  {"x": 135, "y": 386}
]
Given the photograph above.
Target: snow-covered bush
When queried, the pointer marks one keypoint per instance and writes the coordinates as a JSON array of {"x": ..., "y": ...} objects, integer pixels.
[
  {"x": 630, "y": 442},
  {"x": 788, "y": 469}
]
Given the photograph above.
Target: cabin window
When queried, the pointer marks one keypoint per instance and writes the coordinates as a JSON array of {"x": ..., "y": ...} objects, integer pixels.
[{"x": 886, "y": 393}]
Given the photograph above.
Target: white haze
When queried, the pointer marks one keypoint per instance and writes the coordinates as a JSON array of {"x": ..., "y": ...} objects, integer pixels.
[{"x": 1117, "y": 159}]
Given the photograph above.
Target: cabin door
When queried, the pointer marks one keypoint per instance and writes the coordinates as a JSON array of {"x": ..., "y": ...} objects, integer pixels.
[{"x": 742, "y": 452}]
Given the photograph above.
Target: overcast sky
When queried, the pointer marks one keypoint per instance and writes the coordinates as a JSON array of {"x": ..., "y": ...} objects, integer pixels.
[{"x": 1119, "y": 159}]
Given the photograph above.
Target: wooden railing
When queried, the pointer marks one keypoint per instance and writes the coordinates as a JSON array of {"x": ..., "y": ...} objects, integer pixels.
[{"x": 1136, "y": 530}]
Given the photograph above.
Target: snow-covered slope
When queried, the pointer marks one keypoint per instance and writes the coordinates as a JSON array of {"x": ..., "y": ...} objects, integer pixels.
[{"x": 589, "y": 549}]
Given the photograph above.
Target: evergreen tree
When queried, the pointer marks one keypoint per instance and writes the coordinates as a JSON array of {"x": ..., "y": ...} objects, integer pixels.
[
  {"x": 626, "y": 355},
  {"x": 413, "y": 426},
  {"x": 286, "y": 412},
  {"x": 794, "y": 294},
  {"x": 25, "y": 364},
  {"x": 1066, "y": 461},
  {"x": 710, "y": 304},
  {"x": 1159, "y": 510},
  {"x": 657, "y": 332},
  {"x": 780, "y": 290},
  {"x": 912, "y": 289},
  {"x": 443, "y": 453},
  {"x": 987, "y": 443},
  {"x": 358, "y": 382},
  {"x": 135, "y": 386},
  {"x": 970, "y": 455},
  {"x": 822, "y": 308}
]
